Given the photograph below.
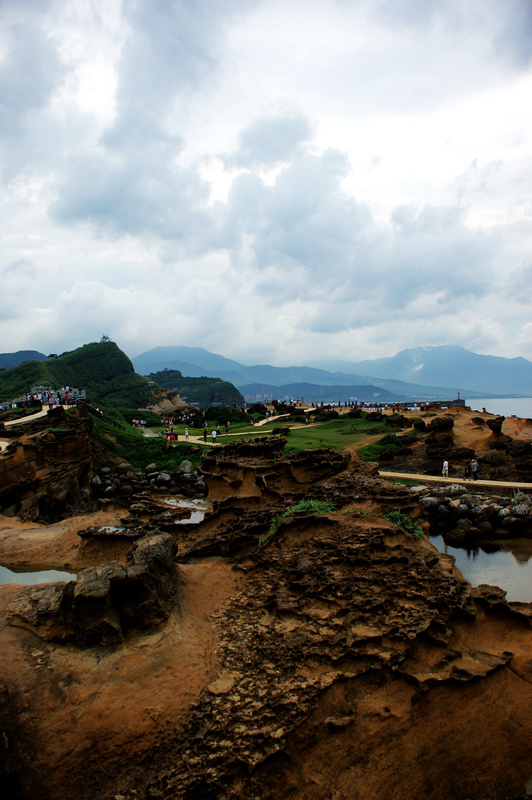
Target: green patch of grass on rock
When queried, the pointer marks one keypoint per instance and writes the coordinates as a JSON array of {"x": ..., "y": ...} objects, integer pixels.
[
  {"x": 408, "y": 525},
  {"x": 311, "y": 506}
]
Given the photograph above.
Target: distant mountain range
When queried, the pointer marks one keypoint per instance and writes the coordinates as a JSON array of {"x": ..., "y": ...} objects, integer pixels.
[
  {"x": 20, "y": 357},
  {"x": 447, "y": 365},
  {"x": 418, "y": 373}
]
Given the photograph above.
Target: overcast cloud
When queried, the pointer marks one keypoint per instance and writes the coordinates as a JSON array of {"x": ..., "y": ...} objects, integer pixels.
[{"x": 274, "y": 181}]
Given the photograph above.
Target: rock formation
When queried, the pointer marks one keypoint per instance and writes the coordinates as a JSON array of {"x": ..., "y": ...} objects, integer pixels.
[
  {"x": 457, "y": 437},
  {"x": 463, "y": 516},
  {"x": 106, "y": 600},
  {"x": 45, "y": 471},
  {"x": 297, "y": 654}
]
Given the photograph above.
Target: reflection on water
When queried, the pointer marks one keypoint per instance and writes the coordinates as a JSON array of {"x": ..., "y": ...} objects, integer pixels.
[
  {"x": 505, "y": 564},
  {"x": 33, "y": 578},
  {"x": 197, "y": 509}
]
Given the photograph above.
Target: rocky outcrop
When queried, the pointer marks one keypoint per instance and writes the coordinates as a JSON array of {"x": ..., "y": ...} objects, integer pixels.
[
  {"x": 495, "y": 425},
  {"x": 327, "y": 655},
  {"x": 258, "y": 468},
  {"x": 439, "y": 424},
  {"x": 45, "y": 472},
  {"x": 106, "y": 600},
  {"x": 124, "y": 484},
  {"x": 462, "y": 516}
]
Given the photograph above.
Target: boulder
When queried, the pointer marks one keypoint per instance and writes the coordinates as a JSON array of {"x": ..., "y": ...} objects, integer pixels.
[
  {"x": 495, "y": 425},
  {"x": 501, "y": 443},
  {"x": 40, "y": 609},
  {"x": 105, "y": 600},
  {"x": 186, "y": 468},
  {"x": 398, "y": 421},
  {"x": 492, "y": 459},
  {"x": 519, "y": 449},
  {"x": 443, "y": 423}
]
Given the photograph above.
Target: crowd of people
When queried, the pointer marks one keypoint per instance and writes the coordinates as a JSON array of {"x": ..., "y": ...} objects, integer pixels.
[{"x": 66, "y": 396}]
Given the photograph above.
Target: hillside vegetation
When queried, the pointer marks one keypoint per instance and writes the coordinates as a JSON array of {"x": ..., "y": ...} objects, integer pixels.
[
  {"x": 205, "y": 391},
  {"x": 102, "y": 369}
]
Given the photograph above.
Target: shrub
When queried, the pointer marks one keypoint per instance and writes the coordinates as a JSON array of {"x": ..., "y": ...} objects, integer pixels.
[
  {"x": 139, "y": 451},
  {"x": 223, "y": 414},
  {"x": 403, "y": 521}
]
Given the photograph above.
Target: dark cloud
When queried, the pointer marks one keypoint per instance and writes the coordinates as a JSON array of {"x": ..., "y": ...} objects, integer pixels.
[
  {"x": 410, "y": 13},
  {"x": 172, "y": 47},
  {"x": 434, "y": 250},
  {"x": 30, "y": 70},
  {"x": 514, "y": 38},
  {"x": 139, "y": 193},
  {"x": 17, "y": 279},
  {"x": 303, "y": 219},
  {"x": 268, "y": 142}
]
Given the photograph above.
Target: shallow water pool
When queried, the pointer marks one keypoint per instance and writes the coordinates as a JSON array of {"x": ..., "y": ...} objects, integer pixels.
[
  {"x": 505, "y": 564},
  {"x": 35, "y": 577}
]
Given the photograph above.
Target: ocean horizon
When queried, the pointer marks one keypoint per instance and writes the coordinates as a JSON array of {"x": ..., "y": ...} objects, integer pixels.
[{"x": 505, "y": 406}]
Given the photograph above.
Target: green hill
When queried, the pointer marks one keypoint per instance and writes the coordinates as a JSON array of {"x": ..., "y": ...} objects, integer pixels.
[
  {"x": 205, "y": 391},
  {"x": 102, "y": 369}
]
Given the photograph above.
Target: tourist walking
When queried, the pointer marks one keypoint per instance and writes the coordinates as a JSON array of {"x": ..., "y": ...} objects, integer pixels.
[
  {"x": 474, "y": 470},
  {"x": 214, "y": 435},
  {"x": 205, "y": 435},
  {"x": 467, "y": 472},
  {"x": 445, "y": 469}
]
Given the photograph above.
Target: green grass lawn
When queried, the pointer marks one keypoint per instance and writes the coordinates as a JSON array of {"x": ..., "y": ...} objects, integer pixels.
[
  {"x": 132, "y": 445},
  {"x": 332, "y": 433}
]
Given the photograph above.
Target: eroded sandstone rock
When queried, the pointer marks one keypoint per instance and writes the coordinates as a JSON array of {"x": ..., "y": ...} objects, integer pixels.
[
  {"x": 46, "y": 471},
  {"x": 340, "y": 658},
  {"x": 495, "y": 424},
  {"x": 106, "y": 600}
]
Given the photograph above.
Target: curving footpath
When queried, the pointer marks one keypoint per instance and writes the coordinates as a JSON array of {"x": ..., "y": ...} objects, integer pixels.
[{"x": 30, "y": 418}]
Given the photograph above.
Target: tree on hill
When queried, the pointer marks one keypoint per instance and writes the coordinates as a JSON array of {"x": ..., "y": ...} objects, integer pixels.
[
  {"x": 102, "y": 369},
  {"x": 204, "y": 391}
]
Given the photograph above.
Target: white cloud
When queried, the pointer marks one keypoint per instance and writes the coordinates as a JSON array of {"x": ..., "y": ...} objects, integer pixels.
[{"x": 273, "y": 181}]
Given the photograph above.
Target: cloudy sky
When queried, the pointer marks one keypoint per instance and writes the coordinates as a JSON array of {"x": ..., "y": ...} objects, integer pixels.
[{"x": 278, "y": 181}]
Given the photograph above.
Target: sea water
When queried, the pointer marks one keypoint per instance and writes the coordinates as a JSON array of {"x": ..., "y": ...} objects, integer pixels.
[
  {"x": 509, "y": 564},
  {"x": 504, "y": 406},
  {"x": 33, "y": 578},
  {"x": 505, "y": 564}
]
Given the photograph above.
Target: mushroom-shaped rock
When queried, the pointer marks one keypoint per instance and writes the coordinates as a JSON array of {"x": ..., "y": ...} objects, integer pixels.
[{"x": 495, "y": 425}]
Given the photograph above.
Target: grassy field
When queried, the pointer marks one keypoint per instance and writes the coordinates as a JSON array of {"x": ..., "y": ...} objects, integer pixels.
[
  {"x": 333, "y": 433},
  {"x": 369, "y": 438},
  {"x": 133, "y": 446}
]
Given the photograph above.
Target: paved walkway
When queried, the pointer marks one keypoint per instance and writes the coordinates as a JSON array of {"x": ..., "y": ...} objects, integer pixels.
[
  {"x": 30, "y": 418},
  {"x": 469, "y": 483}
]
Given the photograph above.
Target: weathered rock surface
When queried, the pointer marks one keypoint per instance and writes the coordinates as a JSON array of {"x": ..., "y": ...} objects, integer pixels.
[
  {"x": 328, "y": 656},
  {"x": 502, "y": 446},
  {"x": 106, "y": 600},
  {"x": 45, "y": 472},
  {"x": 495, "y": 425}
]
